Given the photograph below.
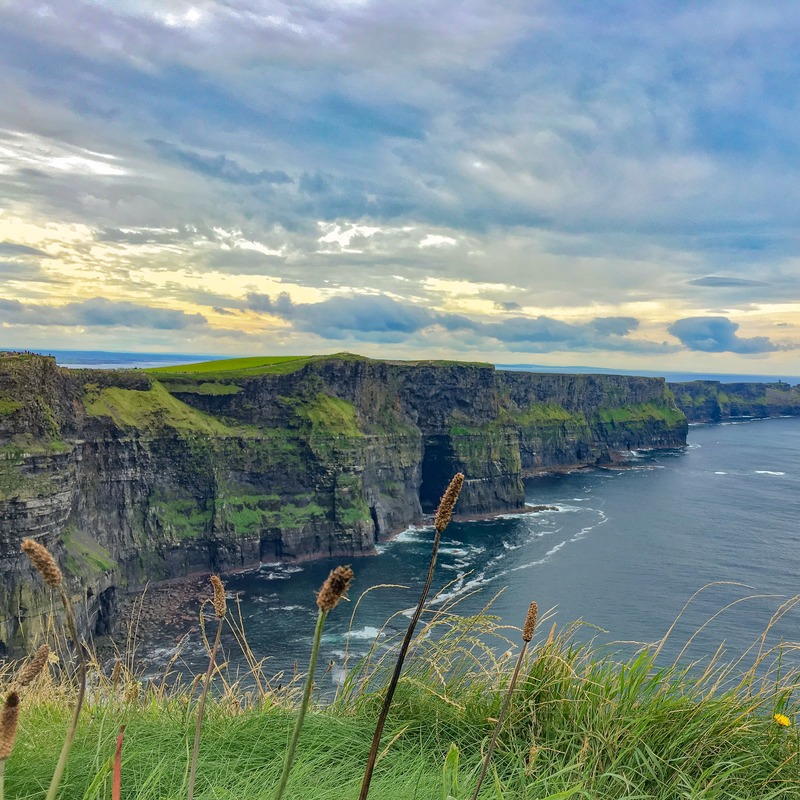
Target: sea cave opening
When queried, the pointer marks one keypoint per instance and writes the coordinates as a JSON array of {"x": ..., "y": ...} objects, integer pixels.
[{"x": 439, "y": 464}]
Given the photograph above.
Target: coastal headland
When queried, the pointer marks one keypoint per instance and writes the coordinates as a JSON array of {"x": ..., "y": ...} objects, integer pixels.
[{"x": 130, "y": 476}]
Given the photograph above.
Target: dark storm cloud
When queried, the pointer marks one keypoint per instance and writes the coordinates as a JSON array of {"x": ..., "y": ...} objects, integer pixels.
[
  {"x": 719, "y": 282},
  {"x": 508, "y": 305},
  {"x": 376, "y": 318},
  {"x": 619, "y": 326},
  {"x": 219, "y": 166},
  {"x": 12, "y": 249},
  {"x": 718, "y": 335},
  {"x": 20, "y": 271},
  {"x": 98, "y": 312}
]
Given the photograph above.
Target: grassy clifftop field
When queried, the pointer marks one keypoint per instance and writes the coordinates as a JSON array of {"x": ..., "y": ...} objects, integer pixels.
[{"x": 579, "y": 725}]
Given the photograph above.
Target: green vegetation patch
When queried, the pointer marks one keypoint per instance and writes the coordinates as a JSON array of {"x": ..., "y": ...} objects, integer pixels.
[
  {"x": 331, "y": 416},
  {"x": 351, "y": 507},
  {"x": 251, "y": 514},
  {"x": 152, "y": 410},
  {"x": 638, "y": 413},
  {"x": 85, "y": 557},
  {"x": 323, "y": 418},
  {"x": 206, "y": 387},
  {"x": 545, "y": 413},
  {"x": 182, "y": 518},
  {"x": 8, "y": 405},
  {"x": 236, "y": 367}
]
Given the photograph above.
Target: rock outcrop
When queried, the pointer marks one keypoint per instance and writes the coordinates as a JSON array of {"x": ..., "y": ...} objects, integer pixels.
[
  {"x": 133, "y": 476},
  {"x": 712, "y": 401}
]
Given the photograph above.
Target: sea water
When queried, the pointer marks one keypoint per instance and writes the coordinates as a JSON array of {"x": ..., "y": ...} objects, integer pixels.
[{"x": 714, "y": 525}]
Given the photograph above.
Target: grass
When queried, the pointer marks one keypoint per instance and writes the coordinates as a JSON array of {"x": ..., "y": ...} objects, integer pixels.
[
  {"x": 8, "y": 405},
  {"x": 253, "y": 365},
  {"x": 579, "y": 721},
  {"x": 85, "y": 557},
  {"x": 641, "y": 413},
  {"x": 152, "y": 410}
]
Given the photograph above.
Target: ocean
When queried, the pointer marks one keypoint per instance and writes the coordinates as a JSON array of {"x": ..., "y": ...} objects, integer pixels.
[{"x": 624, "y": 552}]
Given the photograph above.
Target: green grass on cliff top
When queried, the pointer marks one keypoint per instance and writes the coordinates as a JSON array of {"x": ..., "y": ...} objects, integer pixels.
[
  {"x": 255, "y": 365},
  {"x": 277, "y": 365}
]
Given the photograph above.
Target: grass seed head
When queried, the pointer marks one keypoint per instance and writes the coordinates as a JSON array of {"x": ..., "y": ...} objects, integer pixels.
[
  {"x": 29, "y": 672},
  {"x": 131, "y": 695},
  {"x": 219, "y": 597},
  {"x": 448, "y": 501},
  {"x": 530, "y": 622},
  {"x": 116, "y": 672},
  {"x": 41, "y": 559},
  {"x": 332, "y": 591},
  {"x": 8, "y": 724}
]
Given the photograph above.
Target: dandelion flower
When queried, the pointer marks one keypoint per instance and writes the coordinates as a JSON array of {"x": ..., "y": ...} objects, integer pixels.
[{"x": 781, "y": 719}]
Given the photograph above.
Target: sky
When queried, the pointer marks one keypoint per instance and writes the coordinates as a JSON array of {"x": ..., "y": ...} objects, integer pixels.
[{"x": 560, "y": 182}]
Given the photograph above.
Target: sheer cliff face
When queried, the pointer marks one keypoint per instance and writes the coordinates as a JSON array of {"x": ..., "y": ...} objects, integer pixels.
[
  {"x": 711, "y": 401},
  {"x": 129, "y": 477}
]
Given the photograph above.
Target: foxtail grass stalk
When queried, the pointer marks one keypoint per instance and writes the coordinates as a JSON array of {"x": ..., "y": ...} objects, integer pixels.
[
  {"x": 527, "y": 635},
  {"x": 9, "y": 717},
  {"x": 332, "y": 591},
  {"x": 42, "y": 559},
  {"x": 62, "y": 759},
  {"x": 443, "y": 514},
  {"x": 116, "y": 786},
  {"x": 220, "y": 609}
]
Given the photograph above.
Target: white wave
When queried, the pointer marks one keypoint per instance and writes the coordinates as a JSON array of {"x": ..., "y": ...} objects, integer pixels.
[
  {"x": 768, "y": 472},
  {"x": 367, "y": 632},
  {"x": 583, "y": 531},
  {"x": 565, "y": 507},
  {"x": 553, "y": 550},
  {"x": 458, "y": 551},
  {"x": 410, "y": 534},
  {"x": 693, "y": 446},
  {"x": 292, "y": 608},
  {"x": 720, "y": 473}
]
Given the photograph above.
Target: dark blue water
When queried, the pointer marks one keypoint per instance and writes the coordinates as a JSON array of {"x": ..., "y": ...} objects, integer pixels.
[{"x": 625, "y": 551}]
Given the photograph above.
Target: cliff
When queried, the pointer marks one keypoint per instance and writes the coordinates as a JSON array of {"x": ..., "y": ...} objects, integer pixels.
[
  {"x": 131, "y": 476},
  {"x": 712, "y": 401}
]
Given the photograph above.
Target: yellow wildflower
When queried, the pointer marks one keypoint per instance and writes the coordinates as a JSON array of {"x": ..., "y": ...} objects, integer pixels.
[{"x": 781, "y": 719}]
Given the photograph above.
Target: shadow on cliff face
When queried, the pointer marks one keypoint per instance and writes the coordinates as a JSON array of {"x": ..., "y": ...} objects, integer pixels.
[{"x": 439, "y": 464}]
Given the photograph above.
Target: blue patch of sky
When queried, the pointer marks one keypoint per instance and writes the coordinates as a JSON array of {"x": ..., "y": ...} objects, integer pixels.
[
  {"x": 741, "y": 133},
  {"x": 344, "y": 116}
]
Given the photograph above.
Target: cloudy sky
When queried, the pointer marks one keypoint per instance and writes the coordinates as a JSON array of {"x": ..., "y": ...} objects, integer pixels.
[{"x": 555, "y": 182}]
